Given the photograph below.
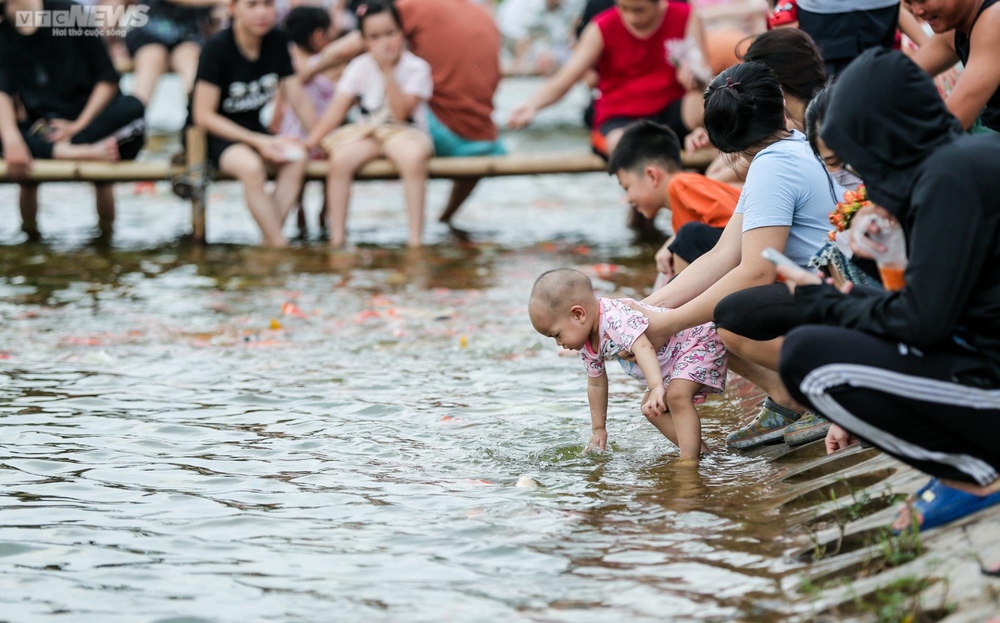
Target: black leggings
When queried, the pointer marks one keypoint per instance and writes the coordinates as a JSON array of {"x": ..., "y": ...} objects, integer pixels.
[
  {"x": 122, "y": 118},
  {"x": 938, "y": 411},
  {"x": 762, "y": 313},
  {"x": 694, "y": 239}
]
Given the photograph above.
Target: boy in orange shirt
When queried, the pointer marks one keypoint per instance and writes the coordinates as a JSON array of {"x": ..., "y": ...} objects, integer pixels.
[{"x": 646, "y": 162}]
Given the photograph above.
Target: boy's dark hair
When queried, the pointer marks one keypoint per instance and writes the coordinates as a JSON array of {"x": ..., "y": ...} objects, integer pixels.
[
  {"x": 815, "y": 113},
  {"x": 374, "y": 7},
  {"x": 303, "y": 21},
  {"x": 645, "y": 142},
  {"x": 793, "y": 57},
  {"x": 744, "y": 107}
]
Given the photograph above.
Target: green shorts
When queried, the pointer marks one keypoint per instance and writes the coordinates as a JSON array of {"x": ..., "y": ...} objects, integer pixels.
[
  {"x": 980, "y": 128},
  {"x": 447, "y": 144}
]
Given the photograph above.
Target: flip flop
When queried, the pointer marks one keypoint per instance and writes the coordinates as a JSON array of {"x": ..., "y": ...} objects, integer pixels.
[{"x": 939, "y": 505}]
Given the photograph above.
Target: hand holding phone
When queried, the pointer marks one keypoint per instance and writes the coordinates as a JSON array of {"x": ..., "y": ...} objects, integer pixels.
[
  {"x": 790, "y": 272},
  {"x": 779, "y": 259}
]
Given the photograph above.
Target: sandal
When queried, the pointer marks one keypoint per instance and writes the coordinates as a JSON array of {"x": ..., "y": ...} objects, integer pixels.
[{"x": 939, "y": 505}]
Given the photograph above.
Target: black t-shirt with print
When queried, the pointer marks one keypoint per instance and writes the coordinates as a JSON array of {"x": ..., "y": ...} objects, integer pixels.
[
  {"x": 245, "y": 86},
  {"x": 53, "y": 75}
]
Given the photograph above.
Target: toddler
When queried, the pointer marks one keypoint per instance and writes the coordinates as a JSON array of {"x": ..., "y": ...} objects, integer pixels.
[
  {"x": 310, "y": 29},
  {"x": 678, "y": 375},
  {"x": 392, "y": 87}
]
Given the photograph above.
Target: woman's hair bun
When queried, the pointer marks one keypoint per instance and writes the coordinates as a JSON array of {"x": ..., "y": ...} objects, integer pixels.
[{"x": 743, "y": 106}]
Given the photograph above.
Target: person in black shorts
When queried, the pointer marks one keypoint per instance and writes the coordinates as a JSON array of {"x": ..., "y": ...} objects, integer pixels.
[
  {"x": 170, "y": 40},
  {"x": 843, "y": 29},
  {"x": 63, "y": 92},
  {"x": 240, "y": 71}
]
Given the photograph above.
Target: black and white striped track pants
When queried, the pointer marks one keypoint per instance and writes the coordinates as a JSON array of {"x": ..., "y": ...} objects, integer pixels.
[{"x": 936, "y": 411}]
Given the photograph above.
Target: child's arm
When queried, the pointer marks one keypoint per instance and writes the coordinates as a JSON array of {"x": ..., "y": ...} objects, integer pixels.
[
  {"x": 291, "y": 89},
  {"x": 645, "y": 357},
  {"x": 280, "y": 110},
  {"x": 204, "y": 103},
  {"x": 331, "y": 119},
  {"x": 401, "y": 105},
  {"x": 585, "y": 55},
  {"x": 336, "y": 52},
  {"x": 100, "y": 97},
  {"x": 16, "y": 154},
  {"x": 597, "y": 396}
]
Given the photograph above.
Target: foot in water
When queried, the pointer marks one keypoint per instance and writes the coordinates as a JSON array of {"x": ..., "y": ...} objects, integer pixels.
[{"x": 937, "y": 503}]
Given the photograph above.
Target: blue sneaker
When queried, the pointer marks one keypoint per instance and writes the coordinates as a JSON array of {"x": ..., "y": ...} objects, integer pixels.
[{"x": 767, "y": 427}]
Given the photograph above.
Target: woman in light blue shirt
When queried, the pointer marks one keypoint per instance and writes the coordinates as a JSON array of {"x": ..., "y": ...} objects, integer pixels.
[{"x": 784, "y": 204}]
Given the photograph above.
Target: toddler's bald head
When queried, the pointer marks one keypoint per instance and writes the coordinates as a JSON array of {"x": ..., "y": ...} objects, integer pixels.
[{"x": 556, "y": 291}]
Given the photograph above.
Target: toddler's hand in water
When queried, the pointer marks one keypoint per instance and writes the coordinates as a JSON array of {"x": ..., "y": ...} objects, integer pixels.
[
  {"x": 598, "y": 441},
  {"x": 656, "y": 404}
]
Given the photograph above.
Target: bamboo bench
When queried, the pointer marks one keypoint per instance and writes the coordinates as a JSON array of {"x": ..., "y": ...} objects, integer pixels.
[{"x": 546, "y": 163}]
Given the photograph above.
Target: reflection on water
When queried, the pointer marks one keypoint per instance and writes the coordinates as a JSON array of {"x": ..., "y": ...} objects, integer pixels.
[{"x": 233, "y": 434}]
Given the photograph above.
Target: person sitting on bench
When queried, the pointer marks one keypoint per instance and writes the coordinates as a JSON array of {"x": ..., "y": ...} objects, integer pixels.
[{"x": 66, "y": 91}]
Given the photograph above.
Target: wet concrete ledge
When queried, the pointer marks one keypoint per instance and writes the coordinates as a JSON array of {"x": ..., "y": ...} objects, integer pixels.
[{"x": 841, "y": 505}]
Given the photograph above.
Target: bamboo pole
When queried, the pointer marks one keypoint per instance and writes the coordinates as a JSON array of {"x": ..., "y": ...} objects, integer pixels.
[
  {"x": 84, "y": 171},
  {"x": 439, "y": 168},
  {"x": 197, "y": 147}
]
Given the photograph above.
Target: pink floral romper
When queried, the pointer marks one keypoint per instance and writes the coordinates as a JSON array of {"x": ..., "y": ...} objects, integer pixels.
[{"x": 695, "y": 354}]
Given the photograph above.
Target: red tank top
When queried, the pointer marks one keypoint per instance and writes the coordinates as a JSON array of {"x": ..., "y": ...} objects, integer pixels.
[{"x": 635, "y": 77}]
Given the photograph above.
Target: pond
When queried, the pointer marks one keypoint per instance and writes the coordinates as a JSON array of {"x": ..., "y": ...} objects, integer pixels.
[{"x": 233, "y": 434}]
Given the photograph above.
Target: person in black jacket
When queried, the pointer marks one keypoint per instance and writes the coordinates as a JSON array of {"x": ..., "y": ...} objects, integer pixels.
[
  {"x": 67, "y": 88},
  {"x": 915, "y": 372}
]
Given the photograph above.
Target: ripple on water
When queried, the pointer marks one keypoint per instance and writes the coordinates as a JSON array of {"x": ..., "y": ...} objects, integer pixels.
[{"x": 169, "y": 454}]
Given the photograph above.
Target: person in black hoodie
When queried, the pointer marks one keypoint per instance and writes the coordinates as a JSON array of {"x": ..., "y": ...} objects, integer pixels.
[{"x": 915, "y": 372}]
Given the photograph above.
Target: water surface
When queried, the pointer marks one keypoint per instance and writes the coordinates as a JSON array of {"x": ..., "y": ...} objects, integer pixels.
[{"x": 234, "y": 434}]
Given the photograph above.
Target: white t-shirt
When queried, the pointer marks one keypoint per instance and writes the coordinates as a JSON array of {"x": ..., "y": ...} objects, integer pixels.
[
  {"x": 788, "y": 186},
  {"x": 363, "y": 79}
]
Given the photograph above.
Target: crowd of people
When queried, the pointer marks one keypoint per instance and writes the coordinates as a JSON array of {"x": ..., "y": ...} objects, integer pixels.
[
  {"x": 838, "y": 97},
  {"x": 817, "y": 108},
  {"x": 271, "y": 89}
]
